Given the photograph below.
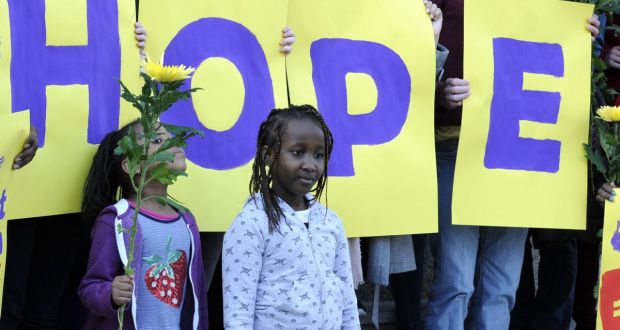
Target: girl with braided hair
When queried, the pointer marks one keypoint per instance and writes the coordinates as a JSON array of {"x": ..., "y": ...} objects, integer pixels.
[
  {"x": 168, "y": 288},
  {"x": 285, "y": 260}
]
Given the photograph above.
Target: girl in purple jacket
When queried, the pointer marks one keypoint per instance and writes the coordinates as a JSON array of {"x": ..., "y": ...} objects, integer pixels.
[{"x": 168, "y": 290}]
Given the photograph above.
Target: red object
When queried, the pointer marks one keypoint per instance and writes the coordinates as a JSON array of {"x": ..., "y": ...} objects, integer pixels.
[
  {"x": 165, "y": 286},
  {"x": 610, "y": 293}
]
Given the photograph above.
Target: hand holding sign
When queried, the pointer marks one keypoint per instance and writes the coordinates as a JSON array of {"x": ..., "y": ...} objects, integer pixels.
[{"x": 30, "y": 149}]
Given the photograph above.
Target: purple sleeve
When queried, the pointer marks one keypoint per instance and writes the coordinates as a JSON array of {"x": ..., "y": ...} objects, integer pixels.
[{"x": 104, "y": 264}]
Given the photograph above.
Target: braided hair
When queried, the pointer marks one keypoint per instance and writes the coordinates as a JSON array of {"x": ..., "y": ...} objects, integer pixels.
[
  {"x": 106, "y": 181},
  {"x": 268, "y": 150}
]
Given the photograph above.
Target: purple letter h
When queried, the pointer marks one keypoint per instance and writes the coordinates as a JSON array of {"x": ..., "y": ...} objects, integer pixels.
[{"x": 35, "y": 65}]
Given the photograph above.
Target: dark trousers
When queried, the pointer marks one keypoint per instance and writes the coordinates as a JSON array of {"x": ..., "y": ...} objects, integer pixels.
[
  {"x": 584, "y": 310},
  {"x": 550, "y": 307},
  {"x": 407, "y": 290},
  {"x": 40, "y": 260}
]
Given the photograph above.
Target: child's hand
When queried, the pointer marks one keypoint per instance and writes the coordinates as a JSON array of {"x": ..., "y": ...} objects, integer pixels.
[
  {"x": 30, "y": 149},
  {"x": 436, "y": 16},
  {"x": 140, "y": 32},
  {"x": 606, "y": 192},
  {"x": 593, "y": 25},
  {"x": 122, "y": 288},
  {"x": 288, "y": 39},
  {"x": 613, "y": 58},
  {"x": 453, "y": 93}
]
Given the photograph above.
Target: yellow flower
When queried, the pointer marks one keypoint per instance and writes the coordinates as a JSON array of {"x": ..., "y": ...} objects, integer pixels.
[
  {"x": 610, "y": 114},
  {"x": 165, "y": 73}
]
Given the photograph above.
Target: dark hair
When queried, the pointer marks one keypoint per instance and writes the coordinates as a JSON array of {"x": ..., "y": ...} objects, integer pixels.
[
  {"x": 106, "y": 181},
  {"x": 268, "y": 150}
]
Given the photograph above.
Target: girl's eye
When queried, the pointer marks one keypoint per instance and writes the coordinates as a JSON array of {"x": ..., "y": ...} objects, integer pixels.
[
  {"x": 157, "y": 141},
  {"x": 319, "y": 155},
  {"x": 297, "y": 152}
]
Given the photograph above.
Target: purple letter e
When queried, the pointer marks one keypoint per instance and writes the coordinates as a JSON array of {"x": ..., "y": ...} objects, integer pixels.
[{"x": 511, "y": 104}]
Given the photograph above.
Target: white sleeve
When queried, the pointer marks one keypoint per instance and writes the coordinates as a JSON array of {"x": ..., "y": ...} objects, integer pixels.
[
  {"x": 342, "y": 269},
  {"x": 242, "y": 259}
]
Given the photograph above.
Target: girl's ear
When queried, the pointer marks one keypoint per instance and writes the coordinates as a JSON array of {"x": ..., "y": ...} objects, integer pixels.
[{"x": 124, "y": 166}]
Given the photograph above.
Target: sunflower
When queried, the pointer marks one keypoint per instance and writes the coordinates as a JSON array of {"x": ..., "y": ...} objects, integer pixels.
[
  {"x": 165, "y": 73},
  {"x": 608, "y": 113}
]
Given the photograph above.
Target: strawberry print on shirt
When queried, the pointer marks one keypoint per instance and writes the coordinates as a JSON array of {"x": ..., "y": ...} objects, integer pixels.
[{"x": 165, "y": 278}]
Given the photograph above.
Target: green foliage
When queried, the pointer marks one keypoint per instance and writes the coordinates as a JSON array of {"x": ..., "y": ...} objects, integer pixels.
[
  {"x": 605, "y": 157},
  {"x": 155, "y": 98}
]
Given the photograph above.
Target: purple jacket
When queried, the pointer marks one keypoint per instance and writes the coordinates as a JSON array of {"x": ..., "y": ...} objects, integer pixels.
[{"x": 106, "y": 260}]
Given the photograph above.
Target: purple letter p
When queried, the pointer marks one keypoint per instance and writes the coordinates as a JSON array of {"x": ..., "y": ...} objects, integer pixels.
[{"x": 332, "y": 59}]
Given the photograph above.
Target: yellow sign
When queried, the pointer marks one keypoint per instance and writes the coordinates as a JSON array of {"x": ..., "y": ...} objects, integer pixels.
[
  {"x": 609, "y": 282},
  {"x": 521, "y": 161},
  {"x": 369, "y": 69},
  {"x": 66, "y": 63}
]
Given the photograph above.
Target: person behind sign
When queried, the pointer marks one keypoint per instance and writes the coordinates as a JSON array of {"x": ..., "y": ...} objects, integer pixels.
[
  {"x": 494, "y": 254},
  {"x": 168, "y": 290},
  {"x": 285, "y": 260}
]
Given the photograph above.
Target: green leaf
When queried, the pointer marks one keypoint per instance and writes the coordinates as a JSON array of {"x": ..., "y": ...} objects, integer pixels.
[
  {"x": 169, "y": 270},
  {"x": 181, "y": 130},
  {"x": 596, "y": 159},
  {"x": 152, "y": 260},
  {"x": 163, "y": 200},
  {"x": 174, "y": 256},
  {"x": 162, "y": 156}
]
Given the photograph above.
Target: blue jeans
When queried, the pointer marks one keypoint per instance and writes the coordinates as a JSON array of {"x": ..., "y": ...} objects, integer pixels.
[{"x": 489, "y": 256}]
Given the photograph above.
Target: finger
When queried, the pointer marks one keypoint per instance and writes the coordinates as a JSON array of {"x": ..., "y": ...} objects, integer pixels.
[
  {"x": 438, "y": 14},
  {"x": 288, "y": 34},
  {"x": 140, "y": 37},
  {"x": 457, "y": 82},
  {"x": 594, "y": 20},
  {"x": 286, "y": 49},
  {"x": 286, "y": 29},
  {"x": 460, "y": 89},
  {"x": 140, "y": 32},
  {"x": 600, "y": 199},
  {"x": 127, "y": 279},
  {"x": 459, "y": 97},
  {"x": 141, "y": 44},
  {"x": 606, "y": 192},
  {"x": 608, "y": 197},
  {"x": 122, "y": 301},
  {"x": 25, "y": 159},
  {"x": 433, "y": 8},
  {"x": 127, "y": 290},
  {"x": 287, "y": 41},
  {"x": 593, "y": 31}
]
